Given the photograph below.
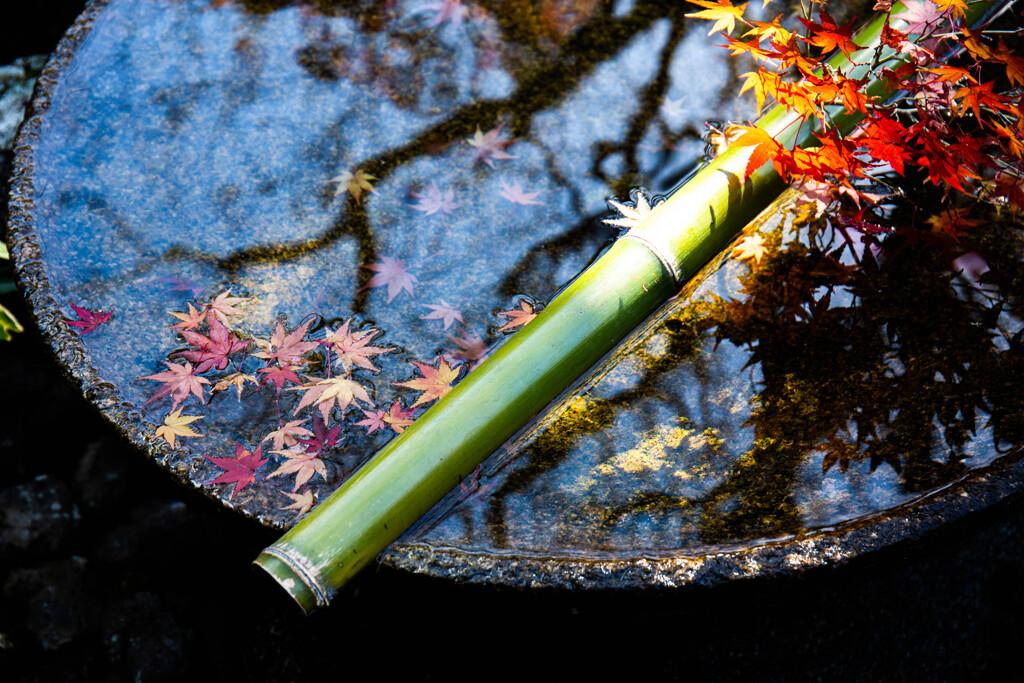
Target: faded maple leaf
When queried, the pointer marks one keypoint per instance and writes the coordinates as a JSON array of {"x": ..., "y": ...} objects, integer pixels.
[
  {"x": 301, "y": 502},
  {"x": 515, "y": 194},
  {"x": 190, "y": 320},
  {"x": 353, "y": 347},
  {"x": 239, "y": 470},
  {"x": 398, "y": 417},
  {"x": 354, "y": 183},
  {"x": 236, "y": 380},
  {"x": 175, "y": 425},
  {"x": 88, "y": 320},
  {"x": 393, "y": 274},
  {"x": 435, "y": 201},
  {"x": 324, "y": 393},
  {"x": 180, "y": 284},
  {"x": 750, "y": 247},
  {"x": 286, "y": 347},
  {"x": 287, "y": 435},
  {"x": 518, "y": 316},
  {"x": 223, "y": 306},
  {"x": 446, "y": 11},
  {"x": 471, "y": 347},
  {"x": 442, "y": 311},
  {"x": 631, "y": 216},
  {"x": 434, "y": 383},
  {"x": 302, "y": 464},
  {"x": 178, "y": 382},
  {"x": 489, "y": 146}
]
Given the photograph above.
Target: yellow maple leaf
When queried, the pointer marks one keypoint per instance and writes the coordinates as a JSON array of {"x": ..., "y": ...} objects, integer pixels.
[
  {"x": 750, "y": 247},
  {"x": 175, "y": 425},
  {"x": 354, "y": 183},
  {"x": 722, "y": 12}
]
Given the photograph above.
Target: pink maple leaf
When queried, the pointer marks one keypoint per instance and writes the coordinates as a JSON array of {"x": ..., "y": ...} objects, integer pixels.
[
  {"x": 393, "y": 273},
  {"x": 239, "y": 470},
  {"x": 178, "y": 381},
  {"x": 515, "y": 194},
  {"x": 434, "y": 201},
  {"x": 286, "y": 348},
  {"x": 442, "y": 311},
  {"x": 450, "y": 11},
  {"x": 489, "y": 146},
  {"x": 88, "y": 320},
  {"x": 213, "y": 351}
]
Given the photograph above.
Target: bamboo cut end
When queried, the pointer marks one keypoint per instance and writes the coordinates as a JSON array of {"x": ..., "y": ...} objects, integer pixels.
[{"x": 294, "y": 577}]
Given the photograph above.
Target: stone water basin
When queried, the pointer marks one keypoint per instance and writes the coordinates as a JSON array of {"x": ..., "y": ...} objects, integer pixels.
[{"x": 417, "y": 177}]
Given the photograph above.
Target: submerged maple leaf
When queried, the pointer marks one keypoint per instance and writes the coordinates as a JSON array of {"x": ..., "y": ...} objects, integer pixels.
[
  {"x": 631, "y": 216},
  {"x": 393, "y": 274},
  {"x": 471, "y": 347},
  {"x": 489, "y": 146},
  {"x": 175, "y": 425},
  {"x": 446, "y": 11},
  {"x": 435, "y": 201},
  {"x": 354, "y": 183},
  {"x": 88, "y": 320},
  {"x": 442, "y": 311},
  {"x": 515, "y": 194},
  {"x": 239, "y": 470},
  {"x": 178, "y": 382},
  {"x": 518, "y": 316},
  {"x": 434, "y": 383}
]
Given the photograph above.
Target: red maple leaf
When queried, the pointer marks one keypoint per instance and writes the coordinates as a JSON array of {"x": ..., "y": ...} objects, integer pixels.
[
  {"x": 213, "y": 351},
  {"x": 88, "y": 320},
  {"x": 353, "y": 348},
  {"x": 396, "y": 416},
  {"x": 828, "y": 36},
  {"x": 393, "y": 274},
  {"x": 279, "y": 374},
  {"x": 178, "y": 381},
  {"x": 239, "y": 470},
  {"x": 322, "y": 438}
]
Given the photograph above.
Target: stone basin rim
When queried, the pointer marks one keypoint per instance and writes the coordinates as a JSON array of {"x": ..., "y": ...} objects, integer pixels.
[{"x": 977, "y": 490}]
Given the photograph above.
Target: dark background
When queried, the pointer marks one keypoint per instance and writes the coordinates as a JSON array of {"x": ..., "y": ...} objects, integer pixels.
[{"x": 109, "y": 569}]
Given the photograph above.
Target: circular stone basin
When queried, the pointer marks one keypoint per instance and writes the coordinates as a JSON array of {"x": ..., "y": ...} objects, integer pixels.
[{"x": 295, "y": 213}]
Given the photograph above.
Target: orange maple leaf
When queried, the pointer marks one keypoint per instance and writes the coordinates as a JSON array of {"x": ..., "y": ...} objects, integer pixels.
[
  {"x": 434, "y": 383},
  {"x": 751, "y": 247},
  {"x": 722, "y": 12},
  {"x": 828, "y": 36}
]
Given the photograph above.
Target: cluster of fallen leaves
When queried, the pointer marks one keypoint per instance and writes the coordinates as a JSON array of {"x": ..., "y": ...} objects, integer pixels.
[
  {"x": 959, "y": 126},
  {"x": 320, "y": 378}
]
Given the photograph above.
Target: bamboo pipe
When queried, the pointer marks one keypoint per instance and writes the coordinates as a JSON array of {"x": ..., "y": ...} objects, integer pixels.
[{"x": 641, "y": 271}]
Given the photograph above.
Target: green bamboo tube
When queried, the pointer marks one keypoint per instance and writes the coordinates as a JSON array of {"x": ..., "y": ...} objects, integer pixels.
[{"x": 606, "y": 302}]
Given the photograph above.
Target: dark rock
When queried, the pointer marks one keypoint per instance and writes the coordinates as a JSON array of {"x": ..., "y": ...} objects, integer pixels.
[
  {"x": 148, "y": 520},
  {"x": 57, "y": 607},
  {"x": 141, "y": 636},
  {"x": 100, "y": 477},
  {"x": 37, "y": 515}
]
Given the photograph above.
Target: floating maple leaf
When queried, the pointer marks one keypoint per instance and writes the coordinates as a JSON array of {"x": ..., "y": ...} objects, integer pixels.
[
  {"x": 302, "y": 464},
  {"x": 518, "y": 316},
  {"x": 394, "y": 274},
  {"x": 750, "y": 247},
  {"x": 631, "y": 216},
  {"x": 213, "y": 351},
  {"x": 179, "y": 381},
  {"x": 236, "y": 380},
  {"x": 353, "y": 347},
  {"x": 88, "y": 320},
  {"x": 287, "y": 435},
  {"x": 515, "y": 194},
  {"x": 354, "y": 183},
  {"x": 239, "y": 470},
  {"x": 190, "y": 320},
  {"x": 284, "y": 347},
  {"x": 322, "y": 438},
  {"x": 279, "y": 374},
  {"x": 223, "y": 306},
  {"x": 434, "y": 383},
  {"x": 489, "y": 146},
  {"x": 435, "y": 201},
  {"x": 302, "y": 502},
  {"x": 442, "y": 311},
  {"x": 397, "y": 417},
  {"x": 325, "y": 393},
  {"x": 175, "y": 425}
]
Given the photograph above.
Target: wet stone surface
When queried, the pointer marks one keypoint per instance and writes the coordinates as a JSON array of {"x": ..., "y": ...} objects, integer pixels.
[{"x": 274, "y": 222}]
